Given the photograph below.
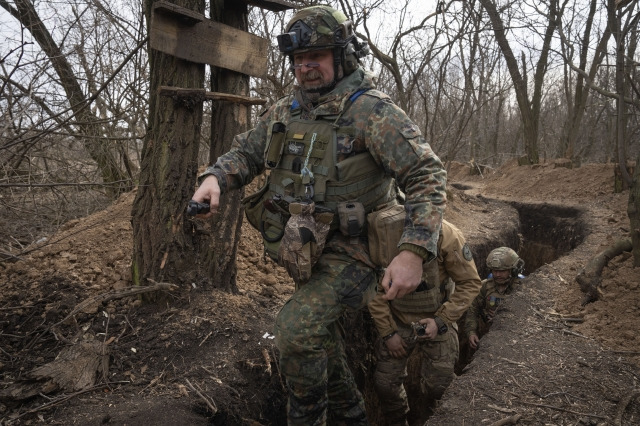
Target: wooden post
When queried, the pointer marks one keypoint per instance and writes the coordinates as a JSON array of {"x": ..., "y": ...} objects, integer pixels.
[
  {"x": 163, "y": 249},
  {"x": 167, "y": 245}
]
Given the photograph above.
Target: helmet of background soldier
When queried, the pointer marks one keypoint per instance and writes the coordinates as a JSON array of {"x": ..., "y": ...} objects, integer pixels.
[
  {"x": 322, "y": 27},
  {"x": 504, "y": 258}
]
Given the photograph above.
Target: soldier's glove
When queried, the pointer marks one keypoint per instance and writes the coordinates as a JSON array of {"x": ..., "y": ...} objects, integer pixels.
[{"x": 305, "y": 235}]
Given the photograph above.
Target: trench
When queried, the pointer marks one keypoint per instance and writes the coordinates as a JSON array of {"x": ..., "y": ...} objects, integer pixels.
[{"x": 540, "y": 234}]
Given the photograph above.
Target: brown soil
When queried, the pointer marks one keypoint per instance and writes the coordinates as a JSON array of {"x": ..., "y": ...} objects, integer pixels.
[{"x": 208, "y": 357}]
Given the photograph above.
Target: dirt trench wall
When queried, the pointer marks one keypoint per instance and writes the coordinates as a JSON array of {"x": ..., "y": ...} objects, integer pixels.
[{"x": 549, "y": 231}]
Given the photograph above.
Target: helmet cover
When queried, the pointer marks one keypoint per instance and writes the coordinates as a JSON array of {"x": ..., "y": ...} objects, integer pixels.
[
  {"x": 504, "y": 258},
  {"x": 316, "y": 27}
]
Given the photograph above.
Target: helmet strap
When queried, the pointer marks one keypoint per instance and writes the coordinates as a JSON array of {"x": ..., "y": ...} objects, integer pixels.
[{"x": 338, "y": 71}]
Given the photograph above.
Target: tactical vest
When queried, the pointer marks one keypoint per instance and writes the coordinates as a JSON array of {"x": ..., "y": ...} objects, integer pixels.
[
  {"x": 494, "y": 298},
  {"x": 301, "y": 158}
]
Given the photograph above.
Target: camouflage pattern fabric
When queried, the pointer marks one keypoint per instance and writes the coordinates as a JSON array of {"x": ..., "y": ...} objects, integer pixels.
[
  {"x": 312, "y": 357},
  {"x": 379, "y": 127},
  {"x": 323, "y": 21},
  {"x": 488, "y": 299},
  {"x": 304, "y": 238},
  {"x": 437, "y": 357}
]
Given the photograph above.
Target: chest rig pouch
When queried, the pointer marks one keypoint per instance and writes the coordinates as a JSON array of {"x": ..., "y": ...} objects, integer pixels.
[
  {"x": 305, "y": 159},
  {"x": 301, "y": 158}
]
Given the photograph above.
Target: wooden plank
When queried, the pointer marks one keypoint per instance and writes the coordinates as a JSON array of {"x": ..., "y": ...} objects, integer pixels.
[
  {"x": 274, "y": 5},
  {"x": 180, "y": 13},
  {"x": 182, "y": 93},
  {"x": 208, "y": 42}
]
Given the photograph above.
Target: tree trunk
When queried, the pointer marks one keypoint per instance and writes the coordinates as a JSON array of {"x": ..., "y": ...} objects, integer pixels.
[
  {"x": 529, "y": 109},
  {"x": 165, "y": 246},
  {"x": 633, "y": 210},
  {"x": 621, "y": 107},
  {"x": 228, "y": 119}
]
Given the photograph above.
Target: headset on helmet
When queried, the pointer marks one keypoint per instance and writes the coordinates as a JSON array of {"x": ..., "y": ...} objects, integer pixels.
[
  {"x": 503, "y": 258},
  {"x": 322, "y": 27}
]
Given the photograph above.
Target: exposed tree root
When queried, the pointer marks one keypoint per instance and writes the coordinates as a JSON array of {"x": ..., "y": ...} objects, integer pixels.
[
  {"x": 590, "y": 277},
  {"x": 624, "y": 402}
]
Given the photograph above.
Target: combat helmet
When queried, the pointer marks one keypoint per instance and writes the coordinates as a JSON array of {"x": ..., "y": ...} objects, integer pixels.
[
  {"x": 504, "y": 258},
  {"x": 322, "y": 27}
]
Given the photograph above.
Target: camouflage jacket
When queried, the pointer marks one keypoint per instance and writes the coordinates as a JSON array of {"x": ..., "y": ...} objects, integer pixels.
[
  {"x": 454, "y": 263},
  {"x": 489, "y": 299},
  {"x": 381, "y": 128}
]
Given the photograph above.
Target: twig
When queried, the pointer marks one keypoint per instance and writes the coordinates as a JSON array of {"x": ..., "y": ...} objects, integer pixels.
[
  {"x": 519, "y": 364},
  {"x": 502, "y": 410},
  {"x": 284, "y": 388},
  {"x": 578, "y": 320},
  {"x": 118, "y": 294},
  {"x": 619, "y": 352},
  {"x": 208, "y": 401},
  {"x": 267, "y": 360},
  {"x": 574, "y": 333},
  {"x": 564, "y": 409},
  {"x": 15, "y": 308},
  {"x": 538, "y": 394},
  {"x": 205, "y": 338},
  {"x": 153, "y": 382},
  {"x": 624, "y": 402},
  {"x": 507, "y": 421}
]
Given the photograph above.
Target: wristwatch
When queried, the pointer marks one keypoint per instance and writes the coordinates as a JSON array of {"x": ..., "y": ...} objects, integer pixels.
[
  {"x": 442, "y": 327},
  {"x": 389, "y": 336}
]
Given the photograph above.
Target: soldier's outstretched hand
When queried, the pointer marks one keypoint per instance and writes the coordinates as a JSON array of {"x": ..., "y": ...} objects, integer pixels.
[{"x": 208, "y": 191}]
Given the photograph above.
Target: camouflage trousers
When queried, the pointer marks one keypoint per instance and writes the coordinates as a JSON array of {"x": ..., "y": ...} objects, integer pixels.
[
  {"x": 437, "y": 361},
  {"x": 312, "y": 355}
]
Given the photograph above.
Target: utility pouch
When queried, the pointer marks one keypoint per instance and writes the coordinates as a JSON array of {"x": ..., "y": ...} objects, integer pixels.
[
  {"x": 385, "y": 228},
  {"x": 275, "y": 145},
  {"x": 253, "y": 205},
  {"x": 351, "y": 215},
  {"x": 305, "y": 235}
]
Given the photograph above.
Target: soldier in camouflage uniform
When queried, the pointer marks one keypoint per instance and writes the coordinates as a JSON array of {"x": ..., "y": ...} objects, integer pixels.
[
  {"x": 334, "y": 140},
  {"x": 506, "y": 271},
  {"x": 399, "y": 323}
]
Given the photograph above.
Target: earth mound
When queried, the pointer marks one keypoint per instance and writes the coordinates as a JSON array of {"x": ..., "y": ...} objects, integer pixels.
[{"x": 208, "y": 357}]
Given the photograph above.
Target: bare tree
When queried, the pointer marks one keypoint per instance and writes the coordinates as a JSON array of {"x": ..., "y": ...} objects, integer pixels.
[
  {"x": 529, "y": 106},
  {"x": 84, "y": 119},
  {"x": 59, "y": 145},
  {"x": 577, "y": 104}
]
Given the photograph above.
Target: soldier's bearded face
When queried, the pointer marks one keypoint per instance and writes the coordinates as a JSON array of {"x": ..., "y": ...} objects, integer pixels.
[
  {"x": 314, "y": 69},
  {"x": 501, "y": 276}
]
